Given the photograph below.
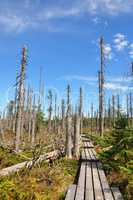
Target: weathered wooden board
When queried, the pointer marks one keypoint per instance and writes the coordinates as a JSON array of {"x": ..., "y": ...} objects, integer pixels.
[
  {"x": 89, "y": 195},
  {"x": 81, "y": 183},
  {"x": 71, "y": 192},
  {"x": 116, "y": 193},
  {"x": 97, "y": 185},
  {"x": 105, "y": 186}
]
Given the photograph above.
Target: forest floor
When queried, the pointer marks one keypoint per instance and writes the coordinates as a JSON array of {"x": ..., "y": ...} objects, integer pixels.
[{"x": 48, "y": 181}]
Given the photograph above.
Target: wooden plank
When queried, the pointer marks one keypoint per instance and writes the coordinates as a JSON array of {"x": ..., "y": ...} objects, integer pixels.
[
  {"x": 89, "y": 194},
  {"x": 97, "y": 185},
  {"x": 71, "y": 192},
  {"x": 87, "y": 155},
  {"x": 91, "y": 144},
  {"x": 95, "y": 154},
  {"x": 91, "y": 155},
  {"x": 105, "y": 186},
  {"x": 116, "y": 193},
  {"x": 83, "y": 156},
  {"x": 81, "y": 183}
]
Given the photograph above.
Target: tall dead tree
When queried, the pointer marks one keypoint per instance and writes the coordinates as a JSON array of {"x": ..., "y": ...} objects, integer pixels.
[
  {"x": 101, "y": 89},
  {"x": 30, "y": 96},
  {"x": 118, "y": 106},
  {"x": 33, "y": 123},
  {"x": 131, "y": 109},
  {"x": 109, "y": 113},
  {"x": 63, "y": 114},
  {"x": 50, "y": 109},
  {"x": 76, "y": 135},
  {"x": 68, "y": 125},
  {"x": 20, "y": 100},
  {"x": 55, "y": 113},
  {"x": 127, "y": 108},
  {"x": 91, "y": 118},
  {"x": 113, "y": 110},
  {"x": 81, "y": 109}
]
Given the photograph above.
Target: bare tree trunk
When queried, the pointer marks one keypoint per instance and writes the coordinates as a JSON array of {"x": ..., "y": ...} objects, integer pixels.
[
  {"x": 127, "y": 103},
  {"x": 76, "y": 135},
  {"x": 33, "y": 124},
  {"x": 50, "y": 97},
  {"x": 30, "y": 115},
  {"x": 131, "y": 109},
  {"x": 20, "y": 101},
  {"x": 68, "y": 126},
  {"x": 118, "y": 106},
  {"x": 81, "y": 110},
  {"x": 91, "y": 118},
  {"x": 55, "y": 114},
  {"x": 101, "y": 90},
  {"x": 63, "y": 114},
  {"x": 113, "y": 109}
]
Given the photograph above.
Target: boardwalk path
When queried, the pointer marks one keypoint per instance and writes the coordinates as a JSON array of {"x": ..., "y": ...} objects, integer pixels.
[{"x": 92, "y": 183}]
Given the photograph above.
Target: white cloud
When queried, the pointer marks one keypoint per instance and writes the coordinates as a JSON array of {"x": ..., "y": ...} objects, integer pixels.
[
  {"x": 115, "y": 86},
  {"x": 117, "y": 83},
  {"x": 20, "y": 15},
  {"x": 120, "y": 42},
  {"x": 108, "y": 51}
]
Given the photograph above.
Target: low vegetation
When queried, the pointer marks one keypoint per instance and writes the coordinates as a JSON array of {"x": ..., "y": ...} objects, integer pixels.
[
  {"x": 44, "y": 182},
  {"x": 115, "y": 150}
]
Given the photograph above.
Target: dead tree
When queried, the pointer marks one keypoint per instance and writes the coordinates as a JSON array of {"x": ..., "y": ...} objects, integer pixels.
[
  {"x": 81, "y": 109},
  {"x": 50, "y": 109},
  {"x": 30, "y": 96},
  {"x": 113, "y": 110},
  {"x": 63, "y": 115},
  {"x": 118, "y": 106},
  {"x": 127, "y": 105},
  {"x": 101, "y": 89},
  {"x": 55, "y": 113},
  {"x": 131, "y": 109},
  {"x": 91, "y": 118},
  {"x": 20, "y": 99},
  {"x": 33, "y": 123},
  {"x": 68, "y": 125},
  {"x": 109, "y": 113},
  {"x": 76, "y": 135}
]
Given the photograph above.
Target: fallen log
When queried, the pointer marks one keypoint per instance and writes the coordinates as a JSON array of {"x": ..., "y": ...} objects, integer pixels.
[{"x": 15, "y": 168}]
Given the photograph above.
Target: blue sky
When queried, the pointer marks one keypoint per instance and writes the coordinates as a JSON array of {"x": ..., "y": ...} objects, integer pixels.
[{"x": 62, "y": 37}]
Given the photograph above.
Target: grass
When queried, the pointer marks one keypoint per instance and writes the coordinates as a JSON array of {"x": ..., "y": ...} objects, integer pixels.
[{"x": 44, "y": 182}]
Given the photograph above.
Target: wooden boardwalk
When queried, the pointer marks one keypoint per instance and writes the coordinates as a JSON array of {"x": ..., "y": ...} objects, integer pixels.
[{"x": 92, "y": 183}]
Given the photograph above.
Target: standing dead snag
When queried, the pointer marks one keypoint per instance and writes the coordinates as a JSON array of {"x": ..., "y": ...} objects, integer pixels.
[
  {"x": 33, "y": 124},
  {"x": 55, "y": 113},
  {"x": 113, "y": 109},
  {"x": 50, "y": 98},
  {"x": 118, "y": 106},
  {"x": 68, "y": 126},
  {"x": 91, "y": 118},
  {"x": 76, "y": 135},
  {"x": 20, "y": 100},
  {"x": 63, "y": 115},
  {"x": 81, "y": 109},
  {"x": 101, "y": 89},
  {"x": 131, "y": 109}
]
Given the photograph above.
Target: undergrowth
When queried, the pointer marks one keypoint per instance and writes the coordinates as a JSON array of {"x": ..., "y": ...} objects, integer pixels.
[
  {"x": 115, "y": 150},
  {"x": 44, "y": 182}
]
